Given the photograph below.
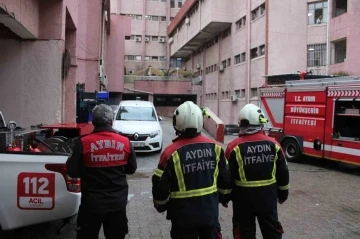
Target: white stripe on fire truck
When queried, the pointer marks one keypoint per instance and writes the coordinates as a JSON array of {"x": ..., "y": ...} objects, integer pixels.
[{"x": 336, "y": 149}]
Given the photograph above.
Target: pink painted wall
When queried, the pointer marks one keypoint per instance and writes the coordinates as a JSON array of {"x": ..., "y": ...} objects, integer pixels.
[
  {"x": 30, "y": 81},
  {"x": 88, "y": 44},
  {"x": 163, "y": 87},
  {"x": 26, "y": 12},
  {"x": 120, "y": 27},
  {"x": 347, "y": 26}
]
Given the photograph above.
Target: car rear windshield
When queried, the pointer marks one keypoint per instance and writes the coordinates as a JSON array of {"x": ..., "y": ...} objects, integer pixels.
[{"x": 136, "y": 113}]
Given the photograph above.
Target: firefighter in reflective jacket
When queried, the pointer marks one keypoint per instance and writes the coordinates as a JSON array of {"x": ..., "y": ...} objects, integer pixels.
[
  {"x": 260, "y": 178},
  {"x": 102, "y": 160},
  {"x": 191, "y": 174}
]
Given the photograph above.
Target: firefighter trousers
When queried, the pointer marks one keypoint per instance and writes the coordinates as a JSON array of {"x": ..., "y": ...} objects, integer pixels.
[
  {"x": 115, "y": 224},
  {"x": 210, "y": 232},
  {"x": 244, "y": 226}
]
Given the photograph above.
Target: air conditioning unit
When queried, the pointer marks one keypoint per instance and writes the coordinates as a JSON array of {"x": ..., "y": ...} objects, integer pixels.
[
  {"x": 171, "y": 40},
  {"x": 187, "y": 21},
  {"x": 198, "y": 66},
  {"x": 221, "y": 68},
  {"x": 162, "y": 39},
  {"x": 138, "y": 39},
  {"x": 147, "y": 39},
  {"x": 234, "y": 98}
]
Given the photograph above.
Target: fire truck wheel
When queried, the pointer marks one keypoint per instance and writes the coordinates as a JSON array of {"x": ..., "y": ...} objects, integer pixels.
[{"x": 292, "y": 150}]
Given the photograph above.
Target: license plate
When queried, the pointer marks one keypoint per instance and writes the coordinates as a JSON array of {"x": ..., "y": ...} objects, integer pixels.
[{"x": 138, "y": 144}]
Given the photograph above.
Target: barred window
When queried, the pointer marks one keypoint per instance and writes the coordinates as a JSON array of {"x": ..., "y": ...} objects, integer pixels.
[{"x": 316, "y": 55}]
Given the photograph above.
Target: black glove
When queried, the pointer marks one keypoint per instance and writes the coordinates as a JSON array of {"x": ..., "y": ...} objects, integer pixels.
[
  {"x": 283, "y": 195},
  {"x": 160, "y": 208},
  {"x": 224, "y": 199}
]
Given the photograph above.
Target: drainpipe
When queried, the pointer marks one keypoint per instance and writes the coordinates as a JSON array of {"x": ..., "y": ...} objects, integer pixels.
[
  {"x": 328, "y": 38},
  {"x": 102, "y": 86},
  {"x": 167, "y": 53},
  {"x": 248, "y": 45},
  {"x": 143, "y": 36},
  {"x": 218, "y": 75}
]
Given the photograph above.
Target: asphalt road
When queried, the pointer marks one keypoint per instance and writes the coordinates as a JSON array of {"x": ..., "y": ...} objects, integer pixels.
[{"x": 324, "y": 203}]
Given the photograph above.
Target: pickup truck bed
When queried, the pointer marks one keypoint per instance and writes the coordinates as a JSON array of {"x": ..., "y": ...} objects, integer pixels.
[{"x": 34, "y": 190}]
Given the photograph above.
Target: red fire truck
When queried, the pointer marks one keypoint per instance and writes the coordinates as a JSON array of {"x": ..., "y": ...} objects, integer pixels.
[{"x": 318, "y": 118}]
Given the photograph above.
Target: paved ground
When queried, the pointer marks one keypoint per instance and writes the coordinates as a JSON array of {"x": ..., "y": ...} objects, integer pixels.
[{"x": 324, "y": 203}]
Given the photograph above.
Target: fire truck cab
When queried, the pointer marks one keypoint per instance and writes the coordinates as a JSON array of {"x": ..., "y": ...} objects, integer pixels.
[{"x": 318, "y": 118}]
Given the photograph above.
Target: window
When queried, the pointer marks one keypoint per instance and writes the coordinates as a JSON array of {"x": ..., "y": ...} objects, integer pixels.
[
  {"x": 163, "y": 19},
  {"x": 130, "y": 58},
  {"x": 138, "y": 58},
  {"x": 163, "y": 0},
  {"x": 155, "y": 18},
  {"x": 163, "y": 38},
  {"x": 240, "y": 94},
  {"x": 132, "y": 37},
  {"x": 340, "y": 51},
  {"x": 243, "y": 57},
  {"x": 223, "y": 63},
  {"x": 147, "y": 58},
  {"x": 241, "y": 23},
  {"x": 180, "y": 3},
  {"x": 135, "y": 113},
  {"x": 254, "y": 53},
  {"x": 237, "y": 59},
  {"x": 339, "y": 8},
  {"x": 258, "y": 12},
  {"x": 228, "y": 62},
  {"x": 162, "y": 58},
  {"x": 148, "y": 17},
  {"x": 155, "y": 38},
  {"x": 316, "y": 55},
  {"x": 172, "y": 3},
  {"x": 254, "y": 92},
  {"x": 262, "y": 50},
  {"x": 155, "y": 58},
  {"x": 317, "y": 13},
  {"x": 138, "y": 17}
]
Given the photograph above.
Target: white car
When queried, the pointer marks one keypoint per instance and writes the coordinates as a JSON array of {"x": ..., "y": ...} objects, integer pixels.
[{"x": 139, "y": 121}]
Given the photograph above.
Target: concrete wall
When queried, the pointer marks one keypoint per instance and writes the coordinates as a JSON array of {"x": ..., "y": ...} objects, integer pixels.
[
  {"x": 31, "y": 92},
  {"x": 163, "y": 87},
  {"x": 120, "y": 26}
]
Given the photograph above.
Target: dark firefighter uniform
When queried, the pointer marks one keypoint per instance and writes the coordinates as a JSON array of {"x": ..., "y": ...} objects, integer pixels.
[
  {"x": 186, "y": 183},
  {"x": 102, "y": 159},
  {"x": 260, "y": 178}
]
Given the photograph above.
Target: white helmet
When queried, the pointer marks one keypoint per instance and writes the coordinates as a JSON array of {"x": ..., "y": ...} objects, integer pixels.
[
  {"x": 188, "y": 118},
  {"x": 251, "y": 115}
]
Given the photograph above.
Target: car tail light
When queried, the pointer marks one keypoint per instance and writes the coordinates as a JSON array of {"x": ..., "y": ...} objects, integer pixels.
[{"x": 72, "y": 184}]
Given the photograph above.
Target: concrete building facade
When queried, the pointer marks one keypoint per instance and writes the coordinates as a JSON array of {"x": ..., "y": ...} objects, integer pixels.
[
  {"x": 49, "y": 46},
  {"x": 147, "y": 45},
  {"x": 231, "y": 45}
]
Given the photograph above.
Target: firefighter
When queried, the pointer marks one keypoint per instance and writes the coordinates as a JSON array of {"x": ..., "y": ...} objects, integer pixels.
[
  {"x": 191, "y": 174},
  {"x": 102, "y": 159},
  {"x": 260, "y": 178}
]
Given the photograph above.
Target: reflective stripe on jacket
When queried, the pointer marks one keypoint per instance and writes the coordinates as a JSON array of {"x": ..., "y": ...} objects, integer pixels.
[
  {"x": 257, "y": 160},
  {"x": 192, "y": 169}
]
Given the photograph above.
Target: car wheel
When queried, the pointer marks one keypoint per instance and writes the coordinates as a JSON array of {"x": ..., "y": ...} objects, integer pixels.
[{"x": 291, "y": 150}]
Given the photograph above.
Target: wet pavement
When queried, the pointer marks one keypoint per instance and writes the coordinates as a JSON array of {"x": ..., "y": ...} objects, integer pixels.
[{"x": 324, "y": 203}]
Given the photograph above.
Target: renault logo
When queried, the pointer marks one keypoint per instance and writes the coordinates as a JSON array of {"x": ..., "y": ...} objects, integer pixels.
[{"x": 136, "y": 136}]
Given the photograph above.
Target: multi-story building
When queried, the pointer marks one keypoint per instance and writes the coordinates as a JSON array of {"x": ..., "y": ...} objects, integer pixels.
[
  {"x": 48, "y": 47},
  {"x": 232, "y": 45},
  {"x": 147, "y": 45}
]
